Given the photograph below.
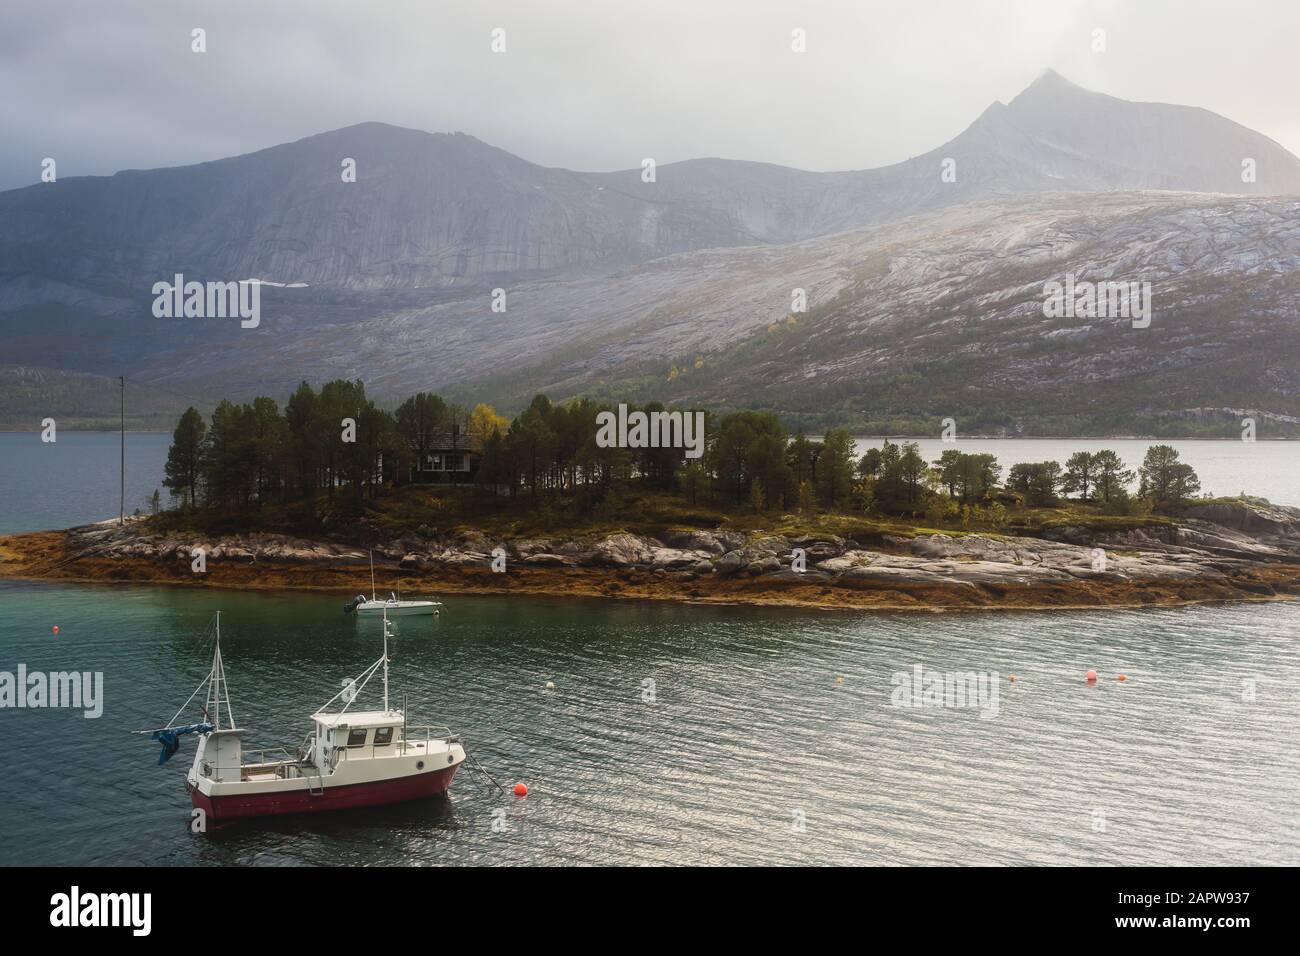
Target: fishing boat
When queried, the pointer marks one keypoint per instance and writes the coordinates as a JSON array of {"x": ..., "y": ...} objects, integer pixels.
[
  {"x": 350, "y": 758},
  {"x": 391, "y": 606}
]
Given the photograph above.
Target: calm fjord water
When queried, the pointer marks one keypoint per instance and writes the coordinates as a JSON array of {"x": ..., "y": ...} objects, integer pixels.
[
  {"x": 74, "y": 480},
  {"x": 748, "y": 729},
  {"x": 1193, "y": 760}
]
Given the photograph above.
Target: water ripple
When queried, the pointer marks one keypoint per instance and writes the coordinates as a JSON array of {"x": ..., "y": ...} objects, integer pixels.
[{"x": 748, "y": 751}]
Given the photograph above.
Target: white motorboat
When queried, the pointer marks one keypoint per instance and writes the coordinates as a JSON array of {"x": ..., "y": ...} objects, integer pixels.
[{"x": 392, "y": 605}]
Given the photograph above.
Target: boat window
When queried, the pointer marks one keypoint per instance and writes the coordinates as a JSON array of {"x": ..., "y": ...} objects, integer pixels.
[
  {"x": 357, "y": 738},
  {"x": 383, "y": 736}
]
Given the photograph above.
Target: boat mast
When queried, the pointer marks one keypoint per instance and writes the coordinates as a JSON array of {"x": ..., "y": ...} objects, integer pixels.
[
  {"x": 121, "y": 510},
  {"x": 385, "y": 660},
  {"x": 372, "y": 575},
  {"x": 218, "y": 686},
  {"x": 216, "y": 679}
]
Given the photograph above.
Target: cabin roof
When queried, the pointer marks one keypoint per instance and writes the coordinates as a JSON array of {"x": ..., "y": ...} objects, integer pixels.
[
  {"x": 450, "y": 440},
  {"x": 359, "y": 718}
]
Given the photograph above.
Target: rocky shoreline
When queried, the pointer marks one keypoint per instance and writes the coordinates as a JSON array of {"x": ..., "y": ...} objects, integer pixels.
[{"x": 1216, "y": 551}]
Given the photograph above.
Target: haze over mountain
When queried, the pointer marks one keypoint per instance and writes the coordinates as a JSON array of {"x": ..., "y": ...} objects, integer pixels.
[{"x": 615, "y": 281}]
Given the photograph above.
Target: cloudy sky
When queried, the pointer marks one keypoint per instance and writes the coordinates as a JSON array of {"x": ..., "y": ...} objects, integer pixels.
[{"x": 599, "y": 84}]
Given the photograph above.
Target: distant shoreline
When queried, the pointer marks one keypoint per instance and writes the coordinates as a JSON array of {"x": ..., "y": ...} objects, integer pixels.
[
  {"x": 812, "y": 436},
  {"x": 962, "y": 438},
  {"x": 65, "y": 429}
]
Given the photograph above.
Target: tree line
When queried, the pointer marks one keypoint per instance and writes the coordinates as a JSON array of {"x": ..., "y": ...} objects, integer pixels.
[
  {"x": 334, "y": 441},
  {"x": 339, "y": 443}
]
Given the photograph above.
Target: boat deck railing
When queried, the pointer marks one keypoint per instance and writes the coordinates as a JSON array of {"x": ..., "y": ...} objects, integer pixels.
[
  {"x": 270, "y": 755},
  {"x": 273, "y": 763},
  {"x": 279, "y": 762},
  {"x": 430, "y": 733},
  {"x": 413, "y": 736}
]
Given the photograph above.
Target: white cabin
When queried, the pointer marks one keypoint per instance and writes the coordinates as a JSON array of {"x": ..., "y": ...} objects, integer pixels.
[{"x": 366, "y": 733}]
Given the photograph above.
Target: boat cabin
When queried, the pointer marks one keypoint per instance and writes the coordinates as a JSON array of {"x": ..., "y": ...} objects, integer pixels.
[
  {"x": 220, "y": 755},
  {"x": 372, "y": 733}
]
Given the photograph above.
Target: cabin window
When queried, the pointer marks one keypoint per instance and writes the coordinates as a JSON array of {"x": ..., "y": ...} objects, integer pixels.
[
  {"x": 357, "y": 738},
  {"x": 383, "y": 736}
]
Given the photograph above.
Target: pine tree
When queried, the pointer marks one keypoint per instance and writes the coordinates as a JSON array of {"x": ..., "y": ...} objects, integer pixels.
[
  {"x": 1080, "y": 474},
  {"x": 1110, "y": 475},
  {"x": 186, "y": 458},
  {"x": 1166, "y": 481},
  {"x": 835, "y": 469}
]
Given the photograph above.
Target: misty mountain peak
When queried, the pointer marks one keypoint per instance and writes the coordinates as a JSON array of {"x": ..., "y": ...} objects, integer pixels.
[
  {"x": 434, "y": 210},
  {"x": 1088, "y": 140},
  {"x": 1048, "y": 80},
  {"x": 1052, "y": 91}
]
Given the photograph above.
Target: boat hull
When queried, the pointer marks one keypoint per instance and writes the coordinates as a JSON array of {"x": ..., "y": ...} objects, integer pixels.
[
  {"x": 398, "y": 611},
  {"x": 375, "y": 793}
]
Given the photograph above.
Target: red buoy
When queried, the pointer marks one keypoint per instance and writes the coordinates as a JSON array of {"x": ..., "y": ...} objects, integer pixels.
[
  {"x": 56, "y": 629},
  {"x": 1091, "y": 677},
  {"x": 521, "y": 790}
]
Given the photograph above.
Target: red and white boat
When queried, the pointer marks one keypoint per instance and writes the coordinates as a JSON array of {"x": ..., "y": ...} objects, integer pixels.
[{"x": 351, "y": 758}]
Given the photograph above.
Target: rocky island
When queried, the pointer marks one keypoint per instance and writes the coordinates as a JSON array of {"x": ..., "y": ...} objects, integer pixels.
[
  {"x": 1242, "y": 549},
  {"x": 450, "y": 500}
]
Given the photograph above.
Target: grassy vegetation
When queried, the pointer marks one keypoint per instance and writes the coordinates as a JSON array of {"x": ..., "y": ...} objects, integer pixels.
[
  {"x": 421, "y": 509},
  {"x": 1033, "y": 521}
]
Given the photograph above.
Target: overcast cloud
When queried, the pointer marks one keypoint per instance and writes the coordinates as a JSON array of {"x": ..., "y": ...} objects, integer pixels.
[{"x": 102, "y": 86}]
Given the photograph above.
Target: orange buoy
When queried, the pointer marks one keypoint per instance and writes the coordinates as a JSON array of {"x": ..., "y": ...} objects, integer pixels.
[
  {"x": 1091, "y": 677},
  {"x": 521, "y": 790},
  {"x": 1012, "y": 678},
  {"x": 1122, "y": 677}
]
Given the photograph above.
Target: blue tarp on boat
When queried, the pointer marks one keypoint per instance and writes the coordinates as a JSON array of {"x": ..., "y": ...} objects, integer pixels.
[{"x": 170, "y": 739}]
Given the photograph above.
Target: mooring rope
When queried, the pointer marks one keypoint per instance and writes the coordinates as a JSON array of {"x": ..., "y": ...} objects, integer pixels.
[{"x": 469, "y": 755}]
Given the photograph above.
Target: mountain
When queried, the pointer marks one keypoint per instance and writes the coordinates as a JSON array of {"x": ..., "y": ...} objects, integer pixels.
[
  {"x": 430, "y": 210},
  {"x": 609, "y": 278},
  {"x": 1053, "y": 137},
  {"x": 78, "y": 400},
  {"x": 936, "y": 315}
]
